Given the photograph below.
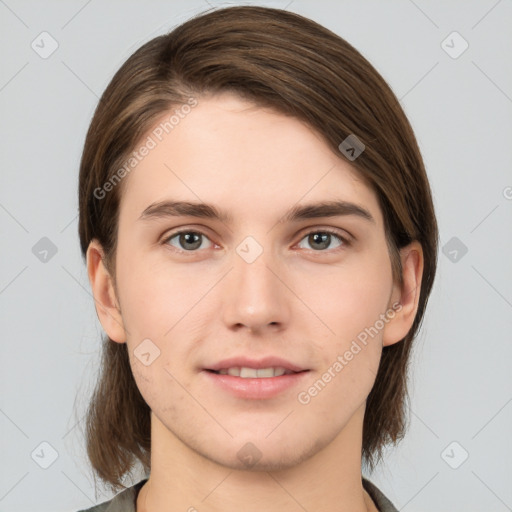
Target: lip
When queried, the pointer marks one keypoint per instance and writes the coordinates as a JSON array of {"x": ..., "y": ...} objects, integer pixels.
[
  {"x": 265, "y": 362},
  {"x": 255, "y": 388}
]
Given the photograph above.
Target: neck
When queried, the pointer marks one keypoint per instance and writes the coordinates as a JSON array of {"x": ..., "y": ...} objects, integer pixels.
[{"x": 183, "y": 479}]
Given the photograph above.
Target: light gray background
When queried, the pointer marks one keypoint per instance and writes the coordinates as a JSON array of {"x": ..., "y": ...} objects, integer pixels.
[{"x": 460, "y": 108}]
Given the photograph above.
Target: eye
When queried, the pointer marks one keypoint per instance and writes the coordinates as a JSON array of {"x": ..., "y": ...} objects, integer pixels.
[
  {"x": 187, "y": 240},
  {"x": 320, "y": 240},
  {"x": 191, "y": 241}
]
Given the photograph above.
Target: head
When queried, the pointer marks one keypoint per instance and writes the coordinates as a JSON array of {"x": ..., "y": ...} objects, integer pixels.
[{"x": 247, "y": 109}]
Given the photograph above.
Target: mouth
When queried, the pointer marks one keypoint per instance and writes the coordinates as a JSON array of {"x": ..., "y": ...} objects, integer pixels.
[
  {"x": 252, "y": 379},
  {"x": 246, "y": 372}
]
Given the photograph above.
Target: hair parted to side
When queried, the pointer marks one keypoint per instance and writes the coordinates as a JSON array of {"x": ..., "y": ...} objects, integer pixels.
[{"x": 276, "y": 59}]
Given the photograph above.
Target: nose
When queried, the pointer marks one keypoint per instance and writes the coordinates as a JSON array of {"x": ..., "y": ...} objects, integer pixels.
[{"x": 255, "y": 296}]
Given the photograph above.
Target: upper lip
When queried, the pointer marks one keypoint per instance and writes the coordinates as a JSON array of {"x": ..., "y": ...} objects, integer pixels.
[{"x": 265, "y": 362}]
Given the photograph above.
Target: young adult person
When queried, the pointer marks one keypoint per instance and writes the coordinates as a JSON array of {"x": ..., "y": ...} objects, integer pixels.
[{"x": 261, "y": 243}]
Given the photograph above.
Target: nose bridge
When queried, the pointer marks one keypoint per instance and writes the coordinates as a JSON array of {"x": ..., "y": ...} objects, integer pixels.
[{"x": 256, "y": 297}]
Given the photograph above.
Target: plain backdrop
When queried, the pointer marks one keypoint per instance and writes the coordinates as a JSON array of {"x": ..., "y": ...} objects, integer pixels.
[{"x": 457, "y": 455}]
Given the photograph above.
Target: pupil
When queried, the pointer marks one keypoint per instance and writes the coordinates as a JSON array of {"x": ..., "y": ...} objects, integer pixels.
[
  {"x": 188, "y": 238},
  {"x": 322, "y": 239}
]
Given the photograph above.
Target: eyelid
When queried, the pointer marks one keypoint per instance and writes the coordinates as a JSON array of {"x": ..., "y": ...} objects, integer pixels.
[
  {"x": 344, "y": 235},
  {"x": 203, "y": 230}
]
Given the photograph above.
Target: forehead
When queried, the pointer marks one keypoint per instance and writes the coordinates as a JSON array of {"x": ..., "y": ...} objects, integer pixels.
[{"x": 232, "y": 153}]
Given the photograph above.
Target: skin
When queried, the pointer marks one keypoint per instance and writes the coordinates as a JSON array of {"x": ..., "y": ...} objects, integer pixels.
[{"x": 297, "y": 301}]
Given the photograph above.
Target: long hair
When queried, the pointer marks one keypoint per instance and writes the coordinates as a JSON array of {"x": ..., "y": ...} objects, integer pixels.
[{"x": 276, "y": 59}]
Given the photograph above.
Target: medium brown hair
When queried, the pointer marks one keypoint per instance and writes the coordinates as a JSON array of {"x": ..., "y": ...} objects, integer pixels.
[{"x": 275, "y": 59}]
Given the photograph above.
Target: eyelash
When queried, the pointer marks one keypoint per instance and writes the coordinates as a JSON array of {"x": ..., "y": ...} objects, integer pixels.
[{"x": 344, "y": 240}]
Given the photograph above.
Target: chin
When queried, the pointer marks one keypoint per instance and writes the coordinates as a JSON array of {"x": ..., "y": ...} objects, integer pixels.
[{"x": 262, "y": 455}]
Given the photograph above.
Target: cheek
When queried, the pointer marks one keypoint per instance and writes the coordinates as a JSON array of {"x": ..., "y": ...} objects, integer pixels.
[
  {"x": 157, "y": 386},
  {"x": 350, "y": 298},
  {"x": 163, "y": 311},
  {"x": 156, "y": 295}
]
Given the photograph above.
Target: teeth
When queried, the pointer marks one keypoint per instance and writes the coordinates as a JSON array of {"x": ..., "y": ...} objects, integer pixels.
[
  {"x": 253, "y": 373},
  {"x": 262, "y": 372},
  {"x": 246, "y": 373}
]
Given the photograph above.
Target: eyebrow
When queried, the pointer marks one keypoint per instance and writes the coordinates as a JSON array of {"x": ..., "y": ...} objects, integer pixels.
[{"x": 164, "y": 209}]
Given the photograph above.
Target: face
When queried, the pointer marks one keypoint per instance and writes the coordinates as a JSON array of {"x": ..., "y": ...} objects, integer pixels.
[{"x": 261, "y": 318}]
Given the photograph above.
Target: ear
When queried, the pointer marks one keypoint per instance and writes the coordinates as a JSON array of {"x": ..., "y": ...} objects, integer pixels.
[
  {"x": 404, "y": 300},
  {"x": 104, "y": 294}
]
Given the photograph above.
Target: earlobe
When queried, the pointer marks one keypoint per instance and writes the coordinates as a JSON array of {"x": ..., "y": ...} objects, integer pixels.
[
  {"x": 407, "y": 296},
  {"x": 105, "y": 299}
]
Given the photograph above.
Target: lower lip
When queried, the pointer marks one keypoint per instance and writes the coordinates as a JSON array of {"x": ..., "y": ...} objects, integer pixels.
[{"x": 256, "y": 389}]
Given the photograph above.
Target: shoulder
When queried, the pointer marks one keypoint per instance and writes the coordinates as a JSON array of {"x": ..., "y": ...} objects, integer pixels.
[
  {"x": 125, "y": 501},
  {"x": 96, "y": 508},
  {"x": 380, "y": 500}
]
